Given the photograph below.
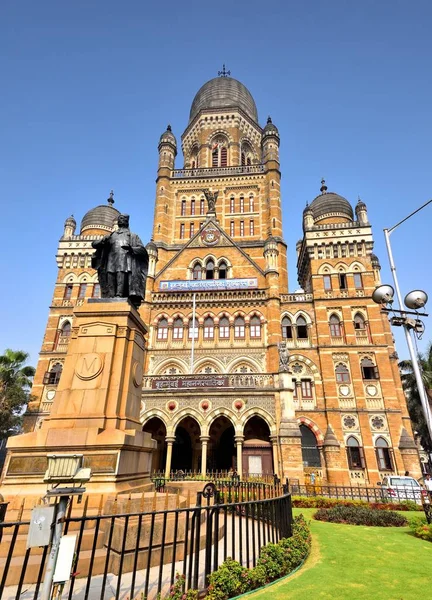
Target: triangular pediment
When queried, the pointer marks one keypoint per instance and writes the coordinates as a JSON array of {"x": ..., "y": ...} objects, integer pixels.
[{"x": 210, "y": 237}]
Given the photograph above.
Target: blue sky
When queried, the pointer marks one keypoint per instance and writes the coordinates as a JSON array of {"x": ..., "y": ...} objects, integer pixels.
[{"x": 88, "y": 87}]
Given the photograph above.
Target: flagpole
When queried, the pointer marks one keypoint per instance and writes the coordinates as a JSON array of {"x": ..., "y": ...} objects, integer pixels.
[{"x": 193, "y": 334}]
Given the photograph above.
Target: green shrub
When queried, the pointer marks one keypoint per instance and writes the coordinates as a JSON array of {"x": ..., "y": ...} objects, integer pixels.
[
  {"x": 424, "y": 532},
  {"x": 275, "y": 560},
  {"x": 360, "y": 516},
  {"x": 177, "y": 590}
]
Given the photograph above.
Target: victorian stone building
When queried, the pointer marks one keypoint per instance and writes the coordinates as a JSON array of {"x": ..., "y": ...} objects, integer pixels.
[{"x": 217, "y": 308}]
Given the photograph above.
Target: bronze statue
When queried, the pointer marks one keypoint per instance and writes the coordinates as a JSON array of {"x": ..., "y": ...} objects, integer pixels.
[
  {"x": 211, "y": 199},
  {"x": 121, "y": 261}
]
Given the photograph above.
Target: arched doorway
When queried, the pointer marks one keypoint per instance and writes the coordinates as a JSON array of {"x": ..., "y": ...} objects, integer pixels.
[
  {"x": 186, "y": 454},
  {"x": 157, "y": 430},
  {"x": 221, "y": 455},
  {"x": 257, "y": 448},
  {"x": 310, "y": 453}
]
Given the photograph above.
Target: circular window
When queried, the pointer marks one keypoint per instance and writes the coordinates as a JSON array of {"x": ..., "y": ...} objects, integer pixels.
[
  {"x": 377, "y": 422},
  {"x": 349, "y": 422}
]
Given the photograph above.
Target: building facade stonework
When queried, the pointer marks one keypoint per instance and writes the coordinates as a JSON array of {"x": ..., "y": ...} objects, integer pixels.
[{"x": 217, "y": 306}]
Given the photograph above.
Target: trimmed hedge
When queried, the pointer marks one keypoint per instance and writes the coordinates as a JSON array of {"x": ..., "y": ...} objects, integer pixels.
[
  {"x": 360, "y": 515},
  {"x": 421, "y": 529},
  {"x": 275, "y": 561},
  {"x": 322, "y": 502}
]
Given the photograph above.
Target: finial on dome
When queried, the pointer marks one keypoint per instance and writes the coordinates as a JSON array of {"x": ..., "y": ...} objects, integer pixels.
[
  {"x": 111, "y": 198},
  {"x": 224, "y": 73},
  {"x": 269, "y": 120},
  {"x": 323, "y": 188},
  {"x": 169, "y": 128}
]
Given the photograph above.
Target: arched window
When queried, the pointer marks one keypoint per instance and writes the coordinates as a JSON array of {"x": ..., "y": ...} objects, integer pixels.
[
  {"x": 369, "y": 369},
  {"x": 335, "y": 326},
  {"x": 239, "y": 328},
  {"x": 384, "y": 455},
  {"x": 223, "y": 269},
  {"x": 178, "y": 329},
  {"x": 302, "y": 330},
  {"x": 82, "y": 290},
  {"x": 232, "y": 204},
  {"x": 224, "y": 328},
  {"x": 358, "y": 282},
  {"x": 162, "y": 330},
  {"x": 197, "y": 272},
  {"x": 52, "y": 377},
  {"x": 192, "y": 207},
  {"x": 68, "y": 291},
  {"x": 342, "y": 373},
  {"x": 355, "y": 454},
  {"x": 223, "y": 157},
  {"x": 193, "y": 333},
  {"x": 359, "y": 322},
  {"x": 96, "y": 290},
  {"x": 183, "y": 208},
  {"x": 255, "y": 327},
  {"x": 219, "y": 153},
  {"x": 243, "y": 158},
  {"x": 287, "y": 329},
  {"x": 210, "y": 269},
  {"x": 310, "y": 452},
  {"x": 64, "y": 334},
  {"x": 242, "y": 204},
  {"x": 208, "y": 328},
  {"x": 202, "y": 206},
  {"x": 251, "y": 203}
]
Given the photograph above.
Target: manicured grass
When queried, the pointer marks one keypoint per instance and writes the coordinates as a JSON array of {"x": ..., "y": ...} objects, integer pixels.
[{"x": 350, "y": 562}]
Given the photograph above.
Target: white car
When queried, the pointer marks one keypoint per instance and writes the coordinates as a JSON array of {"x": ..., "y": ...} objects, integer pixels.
[{"x": 398, "y": 488}]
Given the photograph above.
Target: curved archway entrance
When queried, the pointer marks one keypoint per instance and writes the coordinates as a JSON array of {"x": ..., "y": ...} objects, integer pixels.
[
  {"x": 186, "y": 454},
  {"x": 257, "y": 448},
  {"x": 221, "y": 445},
  {"x": 157, "y": 430},
  {"x": 310, "y": 453}
]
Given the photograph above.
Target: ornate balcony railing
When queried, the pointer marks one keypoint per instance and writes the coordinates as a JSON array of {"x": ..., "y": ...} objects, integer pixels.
[
  {"x": 296, "y": 297},
  {"x": 204, "y": 380},
  {"x": 218, "y": 171}
]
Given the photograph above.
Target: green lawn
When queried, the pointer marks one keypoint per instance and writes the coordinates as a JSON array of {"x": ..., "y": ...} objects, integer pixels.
[{"x": 358, "y": 563}]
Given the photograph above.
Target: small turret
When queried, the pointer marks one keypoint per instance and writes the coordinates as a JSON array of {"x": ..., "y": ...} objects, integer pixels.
[
  {"x": 167, "y": 149},
  {"x": 270, "y": 142},
  {"x": 361, "y": 212},
  {"x": 271, "y": 253},
  {"x": 308, "y": 218},
  {"x": 69, "y": 227}
]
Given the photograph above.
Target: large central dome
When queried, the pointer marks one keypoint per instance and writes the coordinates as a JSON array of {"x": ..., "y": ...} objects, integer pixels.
[{"x": 224, "y": 92}]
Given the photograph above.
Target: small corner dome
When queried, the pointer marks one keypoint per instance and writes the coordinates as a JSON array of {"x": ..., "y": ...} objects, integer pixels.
[
  {"x": 70, "y": 221},
  {"x": 330, "y": 204},
  {"x": 360, "y": 206},
  {"x": 270, "y": 129},
  {"x": 168, "y": 137},
  {"x": 102, "y": 217},
  {"x": 224, "y": 92},
  {"x": 152, "y": 248}
]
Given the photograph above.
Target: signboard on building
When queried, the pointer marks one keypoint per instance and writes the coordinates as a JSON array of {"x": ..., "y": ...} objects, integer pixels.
[
  {"x": 199, "y": 285},
  {"x": 189, "y": 382}
]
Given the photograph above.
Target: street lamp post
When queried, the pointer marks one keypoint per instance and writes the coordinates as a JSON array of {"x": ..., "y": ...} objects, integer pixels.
[{"x": 414, "y": 300}]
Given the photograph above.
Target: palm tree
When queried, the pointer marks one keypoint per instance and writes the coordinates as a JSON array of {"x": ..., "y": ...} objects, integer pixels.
[
  {"x": 409, "y": 385},
  {"x": 15, "y": 382}
]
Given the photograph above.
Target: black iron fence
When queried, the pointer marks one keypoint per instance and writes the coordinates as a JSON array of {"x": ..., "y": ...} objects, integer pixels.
[
  {"x": 127, "y": 553},
  {"x": 181, "y": 475},
  {"x": 368, "y": 494}
]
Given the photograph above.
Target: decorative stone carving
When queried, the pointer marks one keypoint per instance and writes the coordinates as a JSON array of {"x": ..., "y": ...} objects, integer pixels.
[{"x": 89, "y": 366}]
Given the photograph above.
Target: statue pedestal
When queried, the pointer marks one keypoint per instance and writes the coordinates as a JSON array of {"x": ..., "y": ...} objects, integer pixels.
[
  {"x": 96, "y": 410},
  {"x": 289, "y": 432}
]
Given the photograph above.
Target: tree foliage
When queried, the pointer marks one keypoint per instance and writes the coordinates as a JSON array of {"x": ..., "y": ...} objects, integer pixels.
[
  {"x": 409, "y": 385},
  {"x": 15, "y": 382}
]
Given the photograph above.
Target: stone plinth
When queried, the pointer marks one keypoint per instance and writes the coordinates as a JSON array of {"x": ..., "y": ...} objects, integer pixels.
[
  {"x": 96, "y": 409},
  {"x": 289, "y": 432}
]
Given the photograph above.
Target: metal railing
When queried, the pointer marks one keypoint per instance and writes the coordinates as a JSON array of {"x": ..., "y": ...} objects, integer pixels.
[
  {"x": 381, "y": 494},
  {"x": 140, "y": 553}
]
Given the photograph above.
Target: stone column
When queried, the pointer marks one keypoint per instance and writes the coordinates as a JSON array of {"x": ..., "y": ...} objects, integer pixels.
[
  {"x": 239, "y": 446},
  {"x": 170, "y": 441},
  {"x": 204, "y": 443},
  {"x": 274, "y": 443},
  {"x": 289, "y": 432}
]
